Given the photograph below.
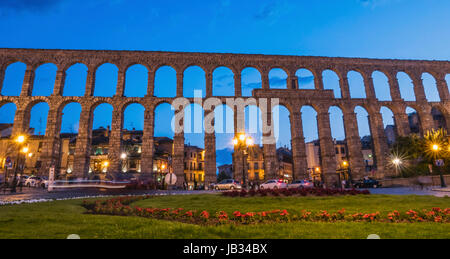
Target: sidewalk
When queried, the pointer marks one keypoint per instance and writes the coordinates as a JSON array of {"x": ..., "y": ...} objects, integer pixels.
[{"x": 442, "y": 189}]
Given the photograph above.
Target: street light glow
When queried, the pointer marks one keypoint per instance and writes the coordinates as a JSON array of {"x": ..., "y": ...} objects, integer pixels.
[
  {"x": 435, "y": 147},
  {"x": 25, "y": 150},
  {"x": 123, "y": 156},
  {"x": 242, "y": 137},
  {"x": 250, "y": 142},
  {"x": 397, "y": 161},
  {"x": 20, "y": 139}
]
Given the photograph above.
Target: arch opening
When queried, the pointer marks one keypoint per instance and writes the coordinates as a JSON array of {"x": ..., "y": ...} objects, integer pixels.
[
  {"x": 38, "y": 118},
  {"x": 165, "y": 82},
  {"x": 305, "y": 79},
  {"x": 414, "y": 121},
  {"x": 251, "y": 79},
  {"x": 223, "y": 82},
  {"x": 430, "y": 88},
  {"x": 381, "y": 86},
  {"x": 14, "y": 77},
  {"x": 278, "y": 79},
  {"x": 331, "y": 82},
  {"x": 194, "y": 82},
  {"x": 356, "y": 85},
  {"x": 44, "y": 80},
  {"x": 106, "y": 78},
  {"x": 406, "y": 87},
  {"x": 75, "y": 84},
  {"x": 136, "y": 81}
]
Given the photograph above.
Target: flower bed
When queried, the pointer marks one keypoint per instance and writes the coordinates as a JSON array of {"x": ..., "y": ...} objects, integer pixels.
[
  {"x": 295, "y": 192},
  {"x": 121, "y": 207}
]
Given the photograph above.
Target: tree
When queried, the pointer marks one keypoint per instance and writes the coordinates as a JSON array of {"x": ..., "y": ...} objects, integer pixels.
[
  {"x": 436, "y": 146},
  {"x": 423, "y": 152}
]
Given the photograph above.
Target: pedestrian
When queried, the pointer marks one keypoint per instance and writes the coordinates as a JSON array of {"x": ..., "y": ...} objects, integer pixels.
[{"x": 344, "y": 184}]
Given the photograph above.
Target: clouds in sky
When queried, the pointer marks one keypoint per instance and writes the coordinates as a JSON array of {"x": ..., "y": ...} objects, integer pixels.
[{"x": 376, "y": 3}]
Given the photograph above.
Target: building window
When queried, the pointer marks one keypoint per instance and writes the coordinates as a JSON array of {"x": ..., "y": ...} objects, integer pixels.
[
  {"x": 342, "y": 150},
  {"x": 337, "y": 151},
  {"x": 256, "y": 166}
]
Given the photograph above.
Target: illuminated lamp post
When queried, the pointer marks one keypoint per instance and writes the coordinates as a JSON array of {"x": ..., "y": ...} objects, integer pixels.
[
  {"x": 20, "y": 141},
  {"x": 242, "y": 143}
]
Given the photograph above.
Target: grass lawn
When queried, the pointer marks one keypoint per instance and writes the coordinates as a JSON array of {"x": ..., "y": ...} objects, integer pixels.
[{"x": 62, "y": 218}]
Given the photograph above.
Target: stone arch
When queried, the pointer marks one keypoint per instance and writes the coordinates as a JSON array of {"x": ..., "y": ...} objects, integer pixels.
[
  {"x": 311, "y": 130},
  {"x": 389, "y": 123},
  {"x": 14, "y": 77},
  {"x": 223, "y": 82},
  {"x": 136, "y": 81},
  {"x": 104, "y": 110},
  {"x": 278, "y": 78},
  {"x": 440, "y": 117},
  {"x": 165, "y": 82},
  {"x": 194, "y": 131},
  {"x": 251, "y": 79},
  {"x": 224, "y": 120},
  {"x": 430, "y": 87},
  {"x": 7, "y": 114},
  {"x": 282, "y": 126},
  {"x": 331, "y": 82},
  {"x": 106, "y": 79},
  {"x": 194, "y": 82},
  {"x": 44, "y": 80},
  {"x": 414, "y": 120},
  {"x": 137, "y": 113},
  {"x": 305, "y": 79},
  {"x": 38, "y": 115},
  {"x": 224, "y": 134},
  {"x": 381, "y": 86},
  {"x": 75, "y": 83},
  {"x": 253, "y": 122},
  {"x": 337, "y": 123},
  {"x": 162, "y": 112},
  {"x": 356, "y": 85},
  {"x": 72, "y": 115},
  {"x": 406, "y": 86}
]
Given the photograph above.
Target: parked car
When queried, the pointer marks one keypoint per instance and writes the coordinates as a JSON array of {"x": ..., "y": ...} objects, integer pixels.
[
  {"x": 44, "y": 183},
  {"x": 23, "y": 179},
  {"x": 228, "y": 184},
  {"x": 274, "y": 184},
  {"x": 367, "y": 183},
  {"x": 33, "y": 181},
  {"x": 300, "y": 184}
]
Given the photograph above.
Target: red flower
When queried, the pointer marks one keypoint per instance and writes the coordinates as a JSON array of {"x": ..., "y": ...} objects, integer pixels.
[
  {"x": 284, "y": 213},
  {"x": 204, "y": 214}
]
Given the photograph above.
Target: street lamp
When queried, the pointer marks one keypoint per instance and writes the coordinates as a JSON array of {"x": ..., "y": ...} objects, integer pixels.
[
  {"x": 123, "y": 157},
  {"x": 346, "y": 170},
  {"x": 105, "y": 165},
  {"x": 436, "y": 148},
  {"x": 20, "y": 140},
  {"x": 242, "y": 143}
]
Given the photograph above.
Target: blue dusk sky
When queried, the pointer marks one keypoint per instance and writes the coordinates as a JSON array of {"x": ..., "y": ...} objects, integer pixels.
[{"x": 404, "y": 29}]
